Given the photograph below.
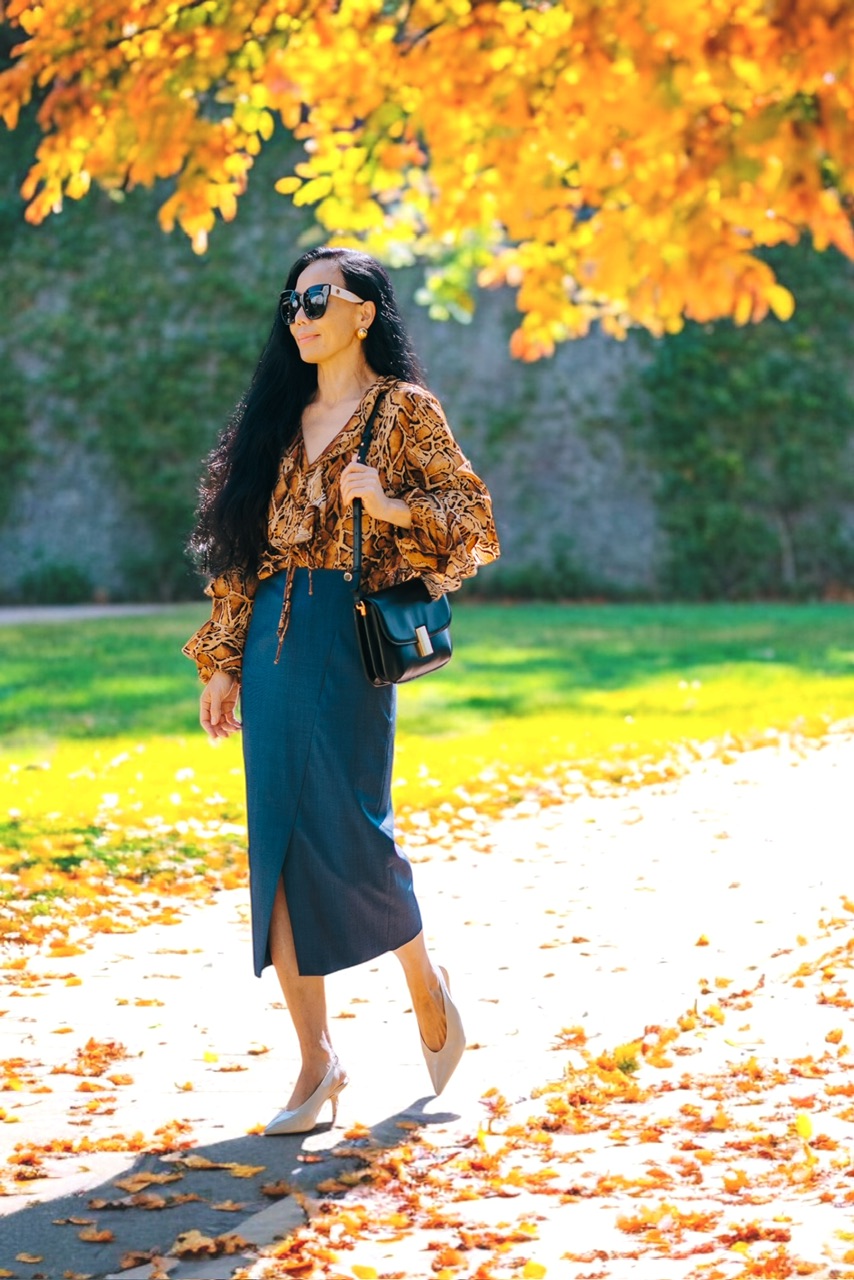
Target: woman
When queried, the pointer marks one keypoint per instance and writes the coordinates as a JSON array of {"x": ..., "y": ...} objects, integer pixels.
[{"x": 329, "y": 888}]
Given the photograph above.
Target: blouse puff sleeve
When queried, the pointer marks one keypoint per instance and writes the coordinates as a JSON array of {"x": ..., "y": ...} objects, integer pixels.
[
  {"x": 453, "y": 531},
  {"x": 218, "y": 645}
]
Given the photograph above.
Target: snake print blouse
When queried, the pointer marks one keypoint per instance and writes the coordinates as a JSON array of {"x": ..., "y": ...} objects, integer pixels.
[{"x": 418, "y": 460}]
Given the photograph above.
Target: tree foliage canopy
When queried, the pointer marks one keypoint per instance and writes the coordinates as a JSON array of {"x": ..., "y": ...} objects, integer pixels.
[{"x": 610, "y": 159}]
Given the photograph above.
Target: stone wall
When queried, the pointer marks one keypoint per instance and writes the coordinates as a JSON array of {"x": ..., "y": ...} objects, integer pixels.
[
  {"x": 571, "y": 504},
  {"x": 569, "y": 496}
]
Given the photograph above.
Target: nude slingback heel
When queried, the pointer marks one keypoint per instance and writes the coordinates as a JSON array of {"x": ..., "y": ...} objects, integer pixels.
[
  {"x": 443, "y": 1063},
  {"x": 304, "y": 1118}
]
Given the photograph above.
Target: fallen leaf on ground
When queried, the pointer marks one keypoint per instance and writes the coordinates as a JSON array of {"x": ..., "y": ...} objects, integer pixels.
[
  {"x": 275, "y": 1190},
  {"x": 193, "y": 1242},
  {"x": 202, "y": 1162},
  {"x": 139, "y": 1181}
]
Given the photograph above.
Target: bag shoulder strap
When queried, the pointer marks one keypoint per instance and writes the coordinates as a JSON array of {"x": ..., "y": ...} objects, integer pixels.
[{"x": 367, "y": 436}]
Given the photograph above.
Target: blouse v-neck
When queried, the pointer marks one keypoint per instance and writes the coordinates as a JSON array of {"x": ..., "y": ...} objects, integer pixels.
[{"x": 311, "y": 463}]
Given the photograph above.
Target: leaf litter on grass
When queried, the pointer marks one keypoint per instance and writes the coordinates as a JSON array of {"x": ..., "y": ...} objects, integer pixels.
[{"x": 129, "y": 837}]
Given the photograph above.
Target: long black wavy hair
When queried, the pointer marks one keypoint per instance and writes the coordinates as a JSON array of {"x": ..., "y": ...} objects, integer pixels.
[{"x": 231, "y": 520}]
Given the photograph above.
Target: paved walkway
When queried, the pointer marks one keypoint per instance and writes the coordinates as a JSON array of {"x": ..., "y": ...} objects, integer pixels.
[
  {"x": 17, "y": 615},
  {"x": 586, "y": 914}
]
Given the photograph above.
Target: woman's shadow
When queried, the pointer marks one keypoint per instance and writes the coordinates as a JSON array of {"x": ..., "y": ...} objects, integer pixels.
[{"x": 144, "y": 1224}]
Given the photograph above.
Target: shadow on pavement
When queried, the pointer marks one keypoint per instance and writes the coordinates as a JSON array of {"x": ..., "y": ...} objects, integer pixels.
[{"x": 39, "y": 1230}]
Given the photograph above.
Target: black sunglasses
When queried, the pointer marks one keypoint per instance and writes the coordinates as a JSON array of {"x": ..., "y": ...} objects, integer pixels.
[{"x": 314, "y": 300}]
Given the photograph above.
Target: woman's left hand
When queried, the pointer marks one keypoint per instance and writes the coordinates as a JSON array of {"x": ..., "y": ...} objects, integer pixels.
[{"x": 359, "y": 481}]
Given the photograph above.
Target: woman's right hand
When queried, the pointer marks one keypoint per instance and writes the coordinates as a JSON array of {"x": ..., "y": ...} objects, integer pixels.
[{"x": 218, "y": 701}]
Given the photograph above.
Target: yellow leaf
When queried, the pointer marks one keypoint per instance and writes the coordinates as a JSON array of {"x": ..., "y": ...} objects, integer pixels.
[
  {"x": 364, "y": 1273},
  {"x": 287, "y": 186},
  {"x": 743, "y": 309},
  {"x": 803, "y": 1124},
  {"x": 314, "y": 190},
  {"x": 209, "y": 1056},
  {"x": 246, "y": 1170},
  {"x": 193, "y": 1242},
  {"x": 781, "y": 302},
  {"x": 534, "y": 1271}
]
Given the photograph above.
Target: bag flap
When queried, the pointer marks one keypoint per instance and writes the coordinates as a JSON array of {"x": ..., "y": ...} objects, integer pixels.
[{"x": 402, "y": 608}]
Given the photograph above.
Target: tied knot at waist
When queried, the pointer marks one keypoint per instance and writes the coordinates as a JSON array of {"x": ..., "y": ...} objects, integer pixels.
[{"x": 285, "y": 615}]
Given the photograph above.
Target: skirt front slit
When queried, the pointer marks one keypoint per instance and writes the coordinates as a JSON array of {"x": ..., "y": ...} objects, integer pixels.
[{"x": 318, "y": 743}]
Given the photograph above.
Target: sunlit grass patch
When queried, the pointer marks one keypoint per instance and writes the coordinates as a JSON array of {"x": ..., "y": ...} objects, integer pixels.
[{"x": 110, "y": 794}]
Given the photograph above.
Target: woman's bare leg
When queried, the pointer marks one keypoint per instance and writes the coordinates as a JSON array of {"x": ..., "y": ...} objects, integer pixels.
[
  {"x": 306, "y": 1001},
  {"x": 423, "y": 982}
]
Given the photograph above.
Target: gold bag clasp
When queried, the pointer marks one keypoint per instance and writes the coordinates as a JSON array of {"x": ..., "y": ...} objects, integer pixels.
[{"x": 423, "y": 642}]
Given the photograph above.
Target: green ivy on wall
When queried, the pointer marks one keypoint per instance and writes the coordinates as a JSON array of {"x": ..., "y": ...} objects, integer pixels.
[
  {"x": 751, "y": 431},
  {"x": 123, "y": 341}
]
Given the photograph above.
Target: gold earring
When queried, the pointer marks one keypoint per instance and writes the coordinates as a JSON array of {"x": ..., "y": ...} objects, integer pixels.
[{"x": 362, "y": 333}]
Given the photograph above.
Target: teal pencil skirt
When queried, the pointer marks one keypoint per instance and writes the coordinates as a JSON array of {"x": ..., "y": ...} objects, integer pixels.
[{"x": 318, "y": 745}]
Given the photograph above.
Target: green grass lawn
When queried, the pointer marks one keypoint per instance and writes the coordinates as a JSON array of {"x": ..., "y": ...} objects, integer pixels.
[
  {"x": 105, "y": 773},
  {"x": 706, "y": 668},
  {"x": 530, "y": 685}
]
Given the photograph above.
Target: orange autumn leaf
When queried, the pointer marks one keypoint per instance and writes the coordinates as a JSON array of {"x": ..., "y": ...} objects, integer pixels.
[
  {"x": 720, "y": 1120},
  {"x": 93, "y": 1236},
  {"x": 202, "y": 1162},
  {"x": 276, "y": 1190},
  {"x": 462, "y": 132},
  {"x": 571, "y": 1038},
  {"x": 134, "y": 1182}
]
